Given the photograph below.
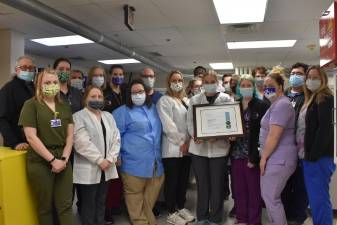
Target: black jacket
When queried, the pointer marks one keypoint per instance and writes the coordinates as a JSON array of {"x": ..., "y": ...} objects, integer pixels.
[
  {"x": 114, "y": 100},
  {"x": 12, "y": 97},
  {"x": 73, "y": 98},
  {"x": 297, "y": 100},
  {"x": 319, "y": 130},
  {"x": 257, "y": 109}
]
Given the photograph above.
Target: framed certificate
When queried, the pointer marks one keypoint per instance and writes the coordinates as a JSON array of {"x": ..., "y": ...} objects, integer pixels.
[{"x": 214, "y": 121}]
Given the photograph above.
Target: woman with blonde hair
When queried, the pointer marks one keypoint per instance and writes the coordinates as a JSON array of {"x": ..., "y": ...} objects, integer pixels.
[
  {"x": 97, "y": 144},
  {"x": 172, "y": 110},
  {"x": 318, "y": 143},
  {"x": 48, "y": 126},
  {"x": 97, "y": 77}
]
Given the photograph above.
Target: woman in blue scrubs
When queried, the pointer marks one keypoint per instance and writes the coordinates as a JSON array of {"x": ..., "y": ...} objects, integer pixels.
[
  {"x": 318, "y": 165},
  {"x": 142, "y": 169}
]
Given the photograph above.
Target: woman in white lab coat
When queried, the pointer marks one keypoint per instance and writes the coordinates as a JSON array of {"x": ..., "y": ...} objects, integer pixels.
[
  {"x": 97, "y": 145},
  {"x": 172, "y": 110},
  {"x": 209, "y": 157}
]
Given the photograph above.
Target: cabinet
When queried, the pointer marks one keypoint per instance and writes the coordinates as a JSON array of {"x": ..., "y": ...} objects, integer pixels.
[{"x": 16, "y": 200}]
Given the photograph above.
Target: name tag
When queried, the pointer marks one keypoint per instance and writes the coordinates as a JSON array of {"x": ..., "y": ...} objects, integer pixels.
[{"x": 55, "y": 123}]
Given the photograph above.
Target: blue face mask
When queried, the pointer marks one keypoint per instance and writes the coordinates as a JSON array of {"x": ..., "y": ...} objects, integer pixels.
[
  {"x": 117, "y": 80},
  {"x": 296, "y": 80},
  {"x": 270, "y": 92},
  {"x": 26, "y": 75},
  {"x": 246, "y": 92}
]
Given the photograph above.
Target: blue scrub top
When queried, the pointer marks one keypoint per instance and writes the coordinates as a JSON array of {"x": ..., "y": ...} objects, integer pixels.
[{"x": 140, "y": 129}]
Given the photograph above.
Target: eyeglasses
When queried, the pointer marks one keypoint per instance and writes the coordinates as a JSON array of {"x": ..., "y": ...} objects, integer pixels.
[
  {"x": 27, "y": 68},
  {"x": 137, "y": 92},
  {"x": 148, "y": 76},
  {"x": 297, "y": 73}
]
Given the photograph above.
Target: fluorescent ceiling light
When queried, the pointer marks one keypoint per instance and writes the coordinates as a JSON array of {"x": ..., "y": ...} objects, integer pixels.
[
  {"x": 322, "y": 62},
  {"x": 222, "y": 66},
  {"x": 261, "y": 44},
  {"x": 64, "y": 40},
  {"x": 118, "y": 61},
  {"x": 240, "y": 11}
]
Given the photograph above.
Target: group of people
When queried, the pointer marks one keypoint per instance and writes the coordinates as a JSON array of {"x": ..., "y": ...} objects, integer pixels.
[{"x": 115, "y": 137}]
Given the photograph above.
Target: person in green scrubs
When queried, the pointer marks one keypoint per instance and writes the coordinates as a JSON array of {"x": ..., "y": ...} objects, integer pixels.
[{"x": 48, "y": 125}]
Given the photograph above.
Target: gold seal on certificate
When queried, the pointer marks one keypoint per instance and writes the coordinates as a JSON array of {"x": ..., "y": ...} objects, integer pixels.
[{"x": 214, "y": 121}]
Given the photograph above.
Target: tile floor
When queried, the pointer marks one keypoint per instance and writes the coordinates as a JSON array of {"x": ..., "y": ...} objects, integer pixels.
[{"x": 191, "y": 204}]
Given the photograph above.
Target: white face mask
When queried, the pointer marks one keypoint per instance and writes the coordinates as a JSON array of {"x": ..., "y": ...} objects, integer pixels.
[
  {"x": 313, "y": 85},
  {"x": 138, "y": 99},
  {"x": 259, "y": 81},
  {"x": 210, "y": 88},
  {"x": 227, "y": 87},
  {"x": 148, "y": 82},
  {"x": 177, "y": 87},
  {"x": 77, "y": 83},
  {"x": 98, "y": 81}
]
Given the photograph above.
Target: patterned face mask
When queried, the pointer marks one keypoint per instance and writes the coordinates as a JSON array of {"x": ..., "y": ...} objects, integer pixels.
[
  {"x": 63, "y": 76},
  {"x": 50, "y": 90}
]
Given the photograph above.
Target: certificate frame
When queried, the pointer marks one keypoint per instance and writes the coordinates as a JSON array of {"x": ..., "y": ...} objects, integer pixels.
[{"x": 206, "y": 116}]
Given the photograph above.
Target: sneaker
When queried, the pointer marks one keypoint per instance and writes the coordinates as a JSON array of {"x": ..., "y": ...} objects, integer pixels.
[
  {"x": 186, "y": 215},
  {"x": 175, "y": 219}
]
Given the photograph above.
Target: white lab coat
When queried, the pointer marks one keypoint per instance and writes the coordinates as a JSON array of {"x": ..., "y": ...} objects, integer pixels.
[
  {"x": 173, "y": 116},
  {"x": 218, "y": 148},
  {"x": 89, "y": 147}
]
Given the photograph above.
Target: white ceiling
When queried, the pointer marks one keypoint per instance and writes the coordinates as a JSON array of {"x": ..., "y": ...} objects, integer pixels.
[{"x": 194, "y": 33}]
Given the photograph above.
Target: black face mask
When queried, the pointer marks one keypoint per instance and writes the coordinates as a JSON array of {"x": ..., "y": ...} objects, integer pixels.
[{"x": 96, "y": 104}]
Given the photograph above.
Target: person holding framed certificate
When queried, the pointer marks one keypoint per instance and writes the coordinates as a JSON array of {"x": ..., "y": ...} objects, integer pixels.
[
  {"x": 278, "y": 148},
  {"x": 209, "y": 157},
  {"x": 245, "y": 155}
]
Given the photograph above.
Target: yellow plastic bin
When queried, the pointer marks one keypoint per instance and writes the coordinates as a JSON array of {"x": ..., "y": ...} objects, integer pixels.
[{"x": 16, "y": 199}]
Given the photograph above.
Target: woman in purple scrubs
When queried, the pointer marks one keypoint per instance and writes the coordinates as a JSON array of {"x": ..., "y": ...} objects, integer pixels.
[{"x": 278, "y": 149}]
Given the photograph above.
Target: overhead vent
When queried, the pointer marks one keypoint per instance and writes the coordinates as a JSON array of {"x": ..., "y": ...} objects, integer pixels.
[{"x": 243, "y": 28}]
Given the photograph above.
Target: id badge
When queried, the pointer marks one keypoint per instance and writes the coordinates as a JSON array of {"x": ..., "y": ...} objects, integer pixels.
[{"x": 55, "y": 123}]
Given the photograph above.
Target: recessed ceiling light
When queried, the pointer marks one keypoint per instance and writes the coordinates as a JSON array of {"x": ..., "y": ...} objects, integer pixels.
[
  {"x": 222, "y": 66},
  {"x": 240, "y": 11},
  {"x": 63, "y": 40},
  {"x": 261, "y": 44},
  {"x": 119, "y": 61}
]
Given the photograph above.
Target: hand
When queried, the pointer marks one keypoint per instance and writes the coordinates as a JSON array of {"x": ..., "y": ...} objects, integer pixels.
[
  {"x": 22, "y": 147},
  {"x": 184, "y": 149},
  {"x": 263, "y": 162},
  {"x": 58, "y": 166},
  {"x": 198, "y": 142},
  {"x": 118, "y": 162},
  {"x": 105, "y": 164},
  {"x": 250, "y": 165},
  {"x": 232, "y": 138}
]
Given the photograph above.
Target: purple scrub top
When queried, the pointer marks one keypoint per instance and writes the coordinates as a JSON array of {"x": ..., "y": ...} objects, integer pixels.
[{"x": 280, "y": 113}]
